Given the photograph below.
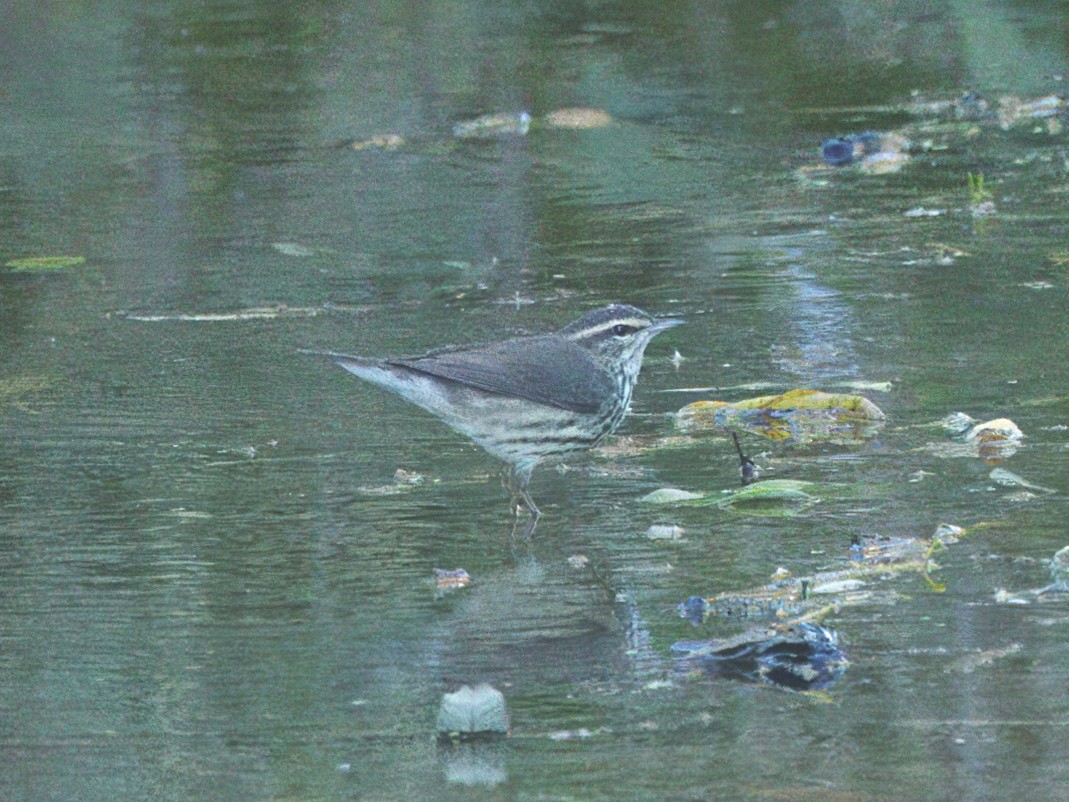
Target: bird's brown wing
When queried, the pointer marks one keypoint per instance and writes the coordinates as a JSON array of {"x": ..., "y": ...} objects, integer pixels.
[{"x": 548, "y": 370}]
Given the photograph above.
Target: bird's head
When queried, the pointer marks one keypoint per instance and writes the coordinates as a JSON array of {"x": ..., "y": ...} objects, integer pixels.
[{"x": 617, "y": 335}]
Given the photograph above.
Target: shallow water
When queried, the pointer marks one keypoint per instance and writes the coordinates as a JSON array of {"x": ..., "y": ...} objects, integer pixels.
[{"x": 211, "y": 587}]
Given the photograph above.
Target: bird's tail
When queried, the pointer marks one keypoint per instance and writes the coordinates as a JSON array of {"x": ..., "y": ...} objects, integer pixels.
[{"x": 373, "y": 370}]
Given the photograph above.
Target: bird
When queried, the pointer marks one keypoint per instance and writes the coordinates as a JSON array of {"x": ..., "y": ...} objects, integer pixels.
[{"x": 527, "y": 400}]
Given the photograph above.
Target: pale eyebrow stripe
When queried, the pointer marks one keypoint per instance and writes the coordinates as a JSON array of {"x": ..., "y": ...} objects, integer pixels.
[{"x": 634, "y": 322}]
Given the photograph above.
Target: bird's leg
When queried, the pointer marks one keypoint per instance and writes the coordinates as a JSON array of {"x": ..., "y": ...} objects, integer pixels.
[
  {"x": 534, "y": 512},
  {"x": 521, "y": 500}
]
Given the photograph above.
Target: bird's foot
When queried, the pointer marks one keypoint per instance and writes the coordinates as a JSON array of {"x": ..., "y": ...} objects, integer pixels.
[{"x": 521, "y": 504}]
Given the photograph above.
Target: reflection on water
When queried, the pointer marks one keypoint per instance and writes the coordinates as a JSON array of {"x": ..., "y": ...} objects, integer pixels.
[{"x": 208, "y": 594}]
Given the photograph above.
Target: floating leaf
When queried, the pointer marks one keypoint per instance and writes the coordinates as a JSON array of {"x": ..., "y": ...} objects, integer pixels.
[
  {"x": 838, "y": 586},
  {"x": 445, "y": 579},
  {"x": 35, "y": 263},
  {"x": 578, "y": 118},
  {"x": 292, "y": 249},
  {"x": 383, "y": 142},
  {"x": 492, "y": 126},
  {"x": 770, "y": 497},
  {"x": 1009, "y": 479},
  {"x": 665, "y": 532},
  {"x": 867, "y": 386},
  {"x": 670, "y": 495}
]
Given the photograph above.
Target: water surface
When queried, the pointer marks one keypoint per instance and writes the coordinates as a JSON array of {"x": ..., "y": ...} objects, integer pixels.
[{"x": 207, "y": 592}]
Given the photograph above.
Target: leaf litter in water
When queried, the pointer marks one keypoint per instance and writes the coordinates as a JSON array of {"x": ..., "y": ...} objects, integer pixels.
[
  {"x": 1056, "y": 590},
  {"x": 802, "y": 656},
  {"x": 30, "y": 264},
  {"x": 803, "y": 416},
  {"x": 992, "y": 440},
  {"x": 798, "y": 598}
]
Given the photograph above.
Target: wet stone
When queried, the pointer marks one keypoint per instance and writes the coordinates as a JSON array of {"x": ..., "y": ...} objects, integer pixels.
[{"x": 473, "y": 710}]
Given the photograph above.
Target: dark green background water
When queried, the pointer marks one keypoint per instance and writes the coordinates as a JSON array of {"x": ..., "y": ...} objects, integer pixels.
[{"x": 200, "y": 599}]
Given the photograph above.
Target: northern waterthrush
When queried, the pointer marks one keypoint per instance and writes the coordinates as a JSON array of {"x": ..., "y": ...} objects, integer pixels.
[{"x": 528, "y": 399}]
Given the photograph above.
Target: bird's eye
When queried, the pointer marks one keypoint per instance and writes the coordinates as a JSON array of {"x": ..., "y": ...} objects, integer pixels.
[{"x": 623, "y": 330}]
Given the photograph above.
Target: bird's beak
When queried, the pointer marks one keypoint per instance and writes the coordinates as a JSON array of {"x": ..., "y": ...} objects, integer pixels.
[{"x": 664, "y": 324}]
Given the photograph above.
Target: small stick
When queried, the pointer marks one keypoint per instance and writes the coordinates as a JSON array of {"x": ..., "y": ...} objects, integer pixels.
[{"x": 747, "y": 467}]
